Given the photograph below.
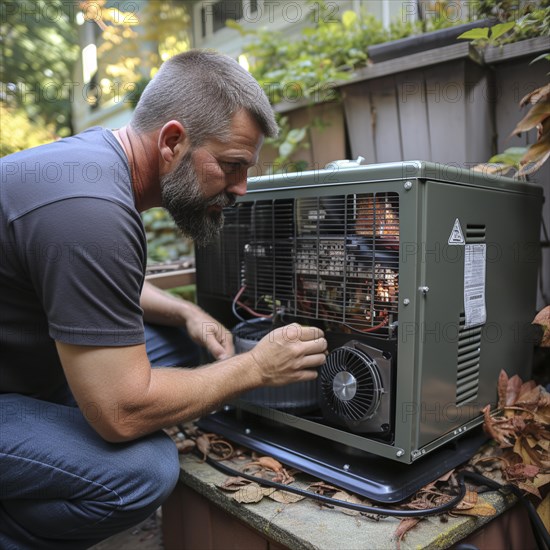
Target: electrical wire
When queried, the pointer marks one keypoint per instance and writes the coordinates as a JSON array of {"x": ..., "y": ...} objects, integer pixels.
[
  {"x": 541, "y": 534},
  {"x": 236, "y": 303}
]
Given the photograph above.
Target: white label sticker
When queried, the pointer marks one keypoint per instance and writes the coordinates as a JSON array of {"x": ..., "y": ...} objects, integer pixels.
[
  {"x": 474, "y": 284},
  {"x": 456, "y": 236}
]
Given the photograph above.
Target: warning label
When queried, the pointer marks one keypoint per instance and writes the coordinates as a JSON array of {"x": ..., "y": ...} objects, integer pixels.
[
  {"x": 474, "y": 284},
  {"x": 456, "y": 236}
]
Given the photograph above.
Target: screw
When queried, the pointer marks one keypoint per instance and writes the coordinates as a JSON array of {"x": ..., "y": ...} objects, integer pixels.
[
  {"x": 247, "y": 431},
  {"x": 424, "y": 289},
  {"x": 406, "y": 302},
  {"x": 346, "y": 467},
  {"x": 400, "y": 453},
  {"x": 408, "y": 185},
  {"x": 226, "y": 408}
]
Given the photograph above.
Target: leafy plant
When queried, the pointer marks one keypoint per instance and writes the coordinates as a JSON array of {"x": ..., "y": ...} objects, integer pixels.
[
  {"x": 522, "y": 160},
  {"x": 164, "y": 241},
  {"x": 488, "y": 36},
  {"x": 287, "y": 143}
]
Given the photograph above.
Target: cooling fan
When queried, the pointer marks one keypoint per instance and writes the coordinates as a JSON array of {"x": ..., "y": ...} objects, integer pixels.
[{"x": 355, "y": 388}]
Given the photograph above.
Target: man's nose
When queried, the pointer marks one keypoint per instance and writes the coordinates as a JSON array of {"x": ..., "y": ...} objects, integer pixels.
[{"x": 238, "y": 185}]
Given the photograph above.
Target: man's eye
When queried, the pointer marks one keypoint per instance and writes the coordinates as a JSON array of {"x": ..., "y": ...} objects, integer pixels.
[{"x": 230, "y": 167}]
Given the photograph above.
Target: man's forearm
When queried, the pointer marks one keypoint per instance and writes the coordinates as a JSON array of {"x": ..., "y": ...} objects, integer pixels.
[
  {"x": 162, "y": 308},
  {"x": 178, "y": 395}
]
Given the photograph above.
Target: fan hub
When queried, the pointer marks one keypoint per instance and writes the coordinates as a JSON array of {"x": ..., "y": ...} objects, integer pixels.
[{"x": 344, "y": 386}]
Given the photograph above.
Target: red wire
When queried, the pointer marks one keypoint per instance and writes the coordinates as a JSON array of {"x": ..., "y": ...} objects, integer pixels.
[{"x": 246, "y": 308}]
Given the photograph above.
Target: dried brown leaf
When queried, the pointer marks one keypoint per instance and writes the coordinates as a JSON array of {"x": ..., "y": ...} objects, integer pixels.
[
  {"x": 512, "y": 390},
  {"x": 542, "y": 317},
  {"x": 248, "y": 494},
  {"x": 482, "y": 508},
  {"x": 321, "y": 487},
  {"x": 540, "y": 94},
  {"x": 405, "y": 525},
  {"x": 541, "y": 480},
  {"x": 502, "y": 386},
  {"x": 521, "y": 471},
  {"x": 501, "y": 433},
  {"x": 347, "y": 497},
  {"x": 469, "y": 501},
  {"x": 234, "y": 483},
  {"x": 185, "y": 446},
  {"x": 203, "y": 444},
  {"x": 530, "y": 398},
  {"x": 284, "y": 497},
  {"x": 526, "y": 387},
  {"x": 533, "y": 118},
  {"x": 529, "y": 487},
  {"x": 543, "y": 510}
]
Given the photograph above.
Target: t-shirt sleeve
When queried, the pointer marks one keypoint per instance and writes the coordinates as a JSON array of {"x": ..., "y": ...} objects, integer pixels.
[{"x": 85, "y": 258}]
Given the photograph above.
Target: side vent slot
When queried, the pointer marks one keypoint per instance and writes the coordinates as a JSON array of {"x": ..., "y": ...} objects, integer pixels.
[
  {"x": 475, "y": 234},
  {"x": 467, "y": 370}
]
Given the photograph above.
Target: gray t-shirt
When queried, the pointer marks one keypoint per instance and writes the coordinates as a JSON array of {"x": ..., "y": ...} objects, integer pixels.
[{"x": 72, "y": 257}]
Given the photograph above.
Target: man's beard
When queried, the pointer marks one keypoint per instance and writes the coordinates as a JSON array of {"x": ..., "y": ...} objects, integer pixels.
[{"x": 182, "y": 196}]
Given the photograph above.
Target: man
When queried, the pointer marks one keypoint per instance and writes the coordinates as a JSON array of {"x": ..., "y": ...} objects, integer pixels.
[{"x": 73, "y": 303}]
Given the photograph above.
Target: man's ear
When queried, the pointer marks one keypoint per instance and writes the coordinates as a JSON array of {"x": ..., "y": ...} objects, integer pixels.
[{"x": 172, "y": 141}]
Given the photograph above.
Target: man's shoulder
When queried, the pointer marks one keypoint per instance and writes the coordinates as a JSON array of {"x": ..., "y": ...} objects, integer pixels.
[{"x": 90, "y": 164}]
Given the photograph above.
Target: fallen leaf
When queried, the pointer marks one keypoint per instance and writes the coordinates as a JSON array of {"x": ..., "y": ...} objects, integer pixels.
[
  {"x": 502, "y": 385},
  {"x": 541, "y": 480},
  {"x": 234, "y": 483},
  {"x": 468, "y": 502},
  {"x": 543, "y": 319},
  {"x": 522, "y": 471},
  {"x": 320, "y": 487},
  {"x": 285, "y": 497},
  {"x": 249, "y": 493},
  {"x": 405, "y": 525},
  {"x": 529, "y": 487},
  {"x": 185, "y": 446},
  {"x": 346, "y": 497},
  {"x": 543, "y": 510},
  {"x": 512, "y": 390},
  {"x": 481, "y": 509}
]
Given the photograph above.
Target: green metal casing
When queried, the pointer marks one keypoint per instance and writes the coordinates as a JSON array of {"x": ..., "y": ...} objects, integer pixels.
[{"x": 431, "y": 291}]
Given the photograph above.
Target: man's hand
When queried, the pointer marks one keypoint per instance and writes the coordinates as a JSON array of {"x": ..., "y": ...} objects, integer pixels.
[
  {"x": 210, "y": 334},
  {"x": 164, "y": 309},
  {"x": 289, "y": 354}
]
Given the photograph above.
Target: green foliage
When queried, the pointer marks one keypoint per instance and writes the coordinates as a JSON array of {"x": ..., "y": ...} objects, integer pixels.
[
  {"x": 290, "y": 70},
  {"x": 39, "y": 48},
  {"x": 287, "y": 143},
  {"x": 518, "y": 21},
  {"x": 509, "y": 160},
  {"x": 17, "y": 132},
  {"x": 488, "y": 36},
  {"x": 164, "y": 241}
]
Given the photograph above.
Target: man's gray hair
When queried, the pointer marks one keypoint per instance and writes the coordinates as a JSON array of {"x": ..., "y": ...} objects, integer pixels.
[{"x": 202, "y": 90}]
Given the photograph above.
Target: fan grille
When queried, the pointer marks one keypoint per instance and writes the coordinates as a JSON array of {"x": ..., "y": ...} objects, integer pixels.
[{"x": 368, "y": 385}]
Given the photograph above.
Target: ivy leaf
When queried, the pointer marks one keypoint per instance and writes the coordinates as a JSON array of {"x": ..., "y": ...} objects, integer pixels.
[
  {"x": 475, "y": 34},
  {"x": 501, "y": 28}
]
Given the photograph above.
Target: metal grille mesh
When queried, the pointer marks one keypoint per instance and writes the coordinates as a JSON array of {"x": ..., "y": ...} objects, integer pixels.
[{"x": 333, "y": 258}]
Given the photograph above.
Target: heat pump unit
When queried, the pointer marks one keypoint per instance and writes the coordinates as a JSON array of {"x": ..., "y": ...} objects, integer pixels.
[{"x": 423, "y": 278}]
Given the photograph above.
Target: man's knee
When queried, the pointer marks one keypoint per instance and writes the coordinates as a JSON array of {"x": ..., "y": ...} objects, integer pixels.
[{"x": 154, "y": 471}]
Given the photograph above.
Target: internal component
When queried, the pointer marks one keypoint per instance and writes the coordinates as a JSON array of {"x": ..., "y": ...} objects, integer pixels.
[
  {"x": 355, "y": 388},
  {"x": 334, "y": 259}
]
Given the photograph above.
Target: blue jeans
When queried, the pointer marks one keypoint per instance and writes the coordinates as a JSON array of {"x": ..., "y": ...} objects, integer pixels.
[{"x": 62, "y": 486}]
